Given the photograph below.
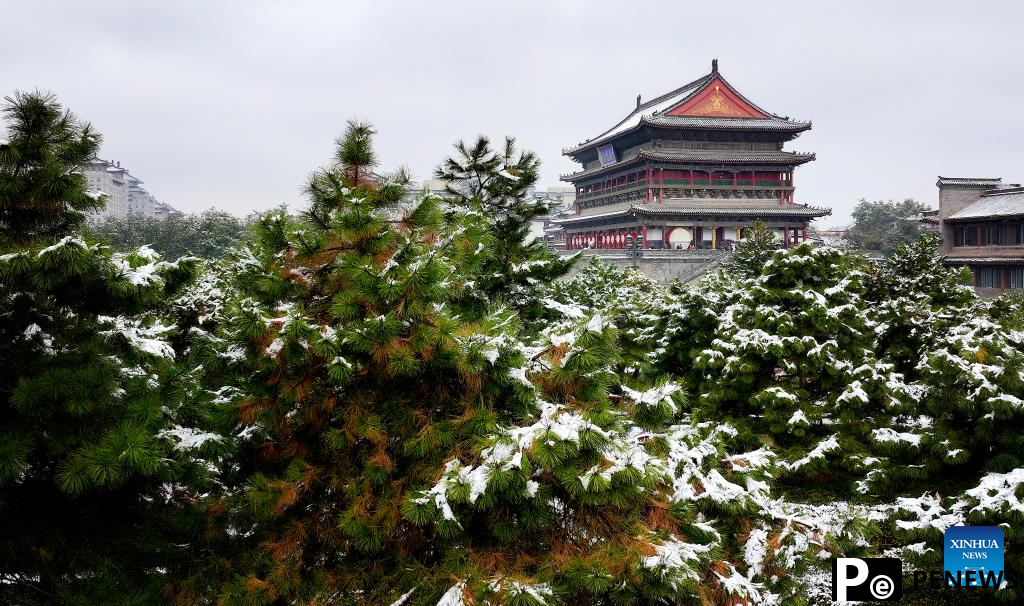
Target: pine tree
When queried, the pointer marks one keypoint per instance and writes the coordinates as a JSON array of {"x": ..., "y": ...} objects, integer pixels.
[
  {"x": 758, "y": 245},
  {"x": 630, "y": 300},
  {"x": 497, "y": 184},
  {"x": 788, "y": 355},
  {"x": 42, "y": 194},
  {"x": 394, "y": 450},
  {"x": 95, "y": 443},
  {"x": 959, "y": 436}
]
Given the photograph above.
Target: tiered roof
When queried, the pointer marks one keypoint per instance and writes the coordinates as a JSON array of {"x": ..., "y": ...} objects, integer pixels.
[
  {"x": 708, "y": 103},
  {"x": 702, "y": 208},
  {"x": 718, "y": 157}
]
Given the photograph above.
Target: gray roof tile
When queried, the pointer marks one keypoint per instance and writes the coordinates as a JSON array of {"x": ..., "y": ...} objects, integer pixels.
[{"x": 994, "y": 204}]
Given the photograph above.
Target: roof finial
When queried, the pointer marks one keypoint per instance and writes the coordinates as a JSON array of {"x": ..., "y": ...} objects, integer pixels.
[
  {"x": 638, "y": 100},
  {"x": 714, "y": 66}
]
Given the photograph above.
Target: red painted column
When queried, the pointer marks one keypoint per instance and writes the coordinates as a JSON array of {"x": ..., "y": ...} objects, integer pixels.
[
  {"x": 805, "y": 234},
  {"x": 646, "y": 243}
]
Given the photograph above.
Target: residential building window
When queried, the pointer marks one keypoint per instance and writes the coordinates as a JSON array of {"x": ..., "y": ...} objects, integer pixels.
[
  {"x": 965, "y": 235},
  {"x": 1016, "y": 277},
  {"x": 989, "y": 235},
  {"x": 988, "y": 277}
]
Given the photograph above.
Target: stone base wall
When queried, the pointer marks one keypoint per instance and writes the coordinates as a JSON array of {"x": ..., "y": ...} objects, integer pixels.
[{"x": 661, "y": 266}]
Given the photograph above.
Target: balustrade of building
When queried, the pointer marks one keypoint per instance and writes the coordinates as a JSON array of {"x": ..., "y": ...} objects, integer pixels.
[{"x": 657, "y": 184}]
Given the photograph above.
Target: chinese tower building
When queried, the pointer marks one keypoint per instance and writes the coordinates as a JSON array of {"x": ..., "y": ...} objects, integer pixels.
[{"x": 689, "y": 169}]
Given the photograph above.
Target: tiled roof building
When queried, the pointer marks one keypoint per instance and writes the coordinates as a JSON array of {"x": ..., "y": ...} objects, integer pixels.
[
  {"x": 982, "y": 225},
  {"x": 688, "y": 169}
]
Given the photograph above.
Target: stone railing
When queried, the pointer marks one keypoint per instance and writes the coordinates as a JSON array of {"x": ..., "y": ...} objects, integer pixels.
[{"x": 650, "y": 253}]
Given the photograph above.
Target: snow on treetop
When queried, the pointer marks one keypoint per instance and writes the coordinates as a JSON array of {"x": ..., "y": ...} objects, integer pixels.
[
  {"x": 853, "y": 391},
  {"x": 188, "y": 438},
  {"x": 886, "y": 434},
  {"x": 742, "y": 587},
  {"x": 539, "y": 592},
  {"x": 998, "y": 492},
  {"x": 755, "y": 459},
  {"x": 33, "y": 331},
  {"x": 755, "y": 551},
  {"x": 828, "y": 444},
  {"x": 677, "y": 557},
  {"x": 404, "y": 597},
  {"x": 454, "y": 596},
  {"x": 927, "y": 511},
  {"x": 143, "y": 338},
  {"x": 654, "y": 396},
  {"x": 798, "y": 418},
  {"x": 143, "y": 275},
  {"x": 575, "y": 312},
  {"x": 147, "y": 253},
  {"x": 65, "y": 241}
]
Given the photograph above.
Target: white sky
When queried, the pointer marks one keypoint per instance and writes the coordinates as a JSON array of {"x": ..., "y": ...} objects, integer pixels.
[{"x": 231, "y": 104}]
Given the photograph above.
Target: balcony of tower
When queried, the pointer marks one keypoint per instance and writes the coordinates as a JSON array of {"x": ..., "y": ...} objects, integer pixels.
[{"x": 656, "y": 183}]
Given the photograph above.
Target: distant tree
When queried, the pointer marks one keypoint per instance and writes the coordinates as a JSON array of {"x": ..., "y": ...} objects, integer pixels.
[
  {"x": 208, "y": 234},
  {"x": 884, "y": 224},
  {"x": 42, "y": 194}
]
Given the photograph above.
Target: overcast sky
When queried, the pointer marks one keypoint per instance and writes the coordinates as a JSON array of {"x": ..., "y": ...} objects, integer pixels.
[{"x": 232, "y": 104}]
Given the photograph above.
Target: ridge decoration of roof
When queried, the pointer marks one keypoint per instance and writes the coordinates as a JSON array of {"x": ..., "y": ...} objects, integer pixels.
[
  {"x": 986, "y": 182},
  {"x": 656, "y": 112}
]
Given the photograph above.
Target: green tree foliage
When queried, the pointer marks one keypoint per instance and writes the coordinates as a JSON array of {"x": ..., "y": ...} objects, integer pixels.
[
  {"x": 884, "y": 224},
  {"x": 759, "y": 243},
  {"x": 960, "y": 436},
  {"x": 496, "y": 184},
  {"x": 787, "y": 355},
  {"x": 392, "y": 449},
  {"x": 389, "y": 399},
  {"x": 1008, "y": 310},
  {"x": 631, "y": 300},
  {"x": 42, "y": 194},
  {"x": 96, "y": 445},
  {"x": 207, "y": 235},
  {"x": 891, "y": 386}
]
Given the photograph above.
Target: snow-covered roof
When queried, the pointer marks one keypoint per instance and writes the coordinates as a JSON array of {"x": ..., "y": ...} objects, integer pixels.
[
  {"x": 993, "y": 204},
  {"x": 656, "y": 111}
]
